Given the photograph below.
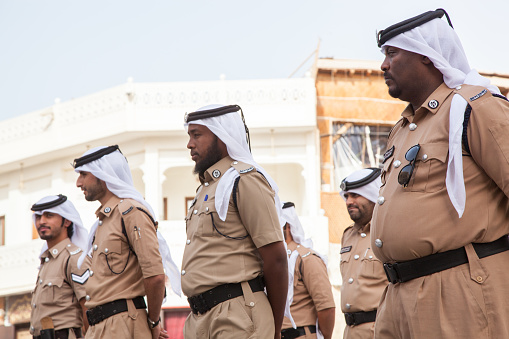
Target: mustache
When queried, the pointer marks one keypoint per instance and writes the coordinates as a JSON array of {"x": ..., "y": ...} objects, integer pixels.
[{"x": 387, "y": 76}]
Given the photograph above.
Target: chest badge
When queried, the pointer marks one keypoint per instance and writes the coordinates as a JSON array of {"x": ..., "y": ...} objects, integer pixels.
[
  {"x": 216, "y": 173},
  {"x": 107, "y": 210},
  {"x": 433, "y": 104},
  {"x": 346, "y": 249}
]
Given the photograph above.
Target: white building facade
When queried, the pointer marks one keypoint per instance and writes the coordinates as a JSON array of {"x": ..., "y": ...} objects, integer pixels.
[{"x": 146, "y": 121}]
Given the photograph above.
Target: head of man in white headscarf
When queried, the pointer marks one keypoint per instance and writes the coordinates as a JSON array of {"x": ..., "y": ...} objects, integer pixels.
[
  {"x": 56, "y": 219},
  {"x": 360, "y": 192},
  {"x": 216, "y": 131}
]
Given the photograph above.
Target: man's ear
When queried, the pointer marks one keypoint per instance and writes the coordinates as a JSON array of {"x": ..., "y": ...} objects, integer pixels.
[
  {"x": 67, "y": 223},
  {"x": 426, "y": 60}
]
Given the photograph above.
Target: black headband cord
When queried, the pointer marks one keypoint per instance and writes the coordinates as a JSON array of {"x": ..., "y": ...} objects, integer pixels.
[
  {"x": 58, "y": 201},
  {"x": 348, "y": 185},
  {"x": 406, "y": 25},
  {"x": 95, "y": 155}
]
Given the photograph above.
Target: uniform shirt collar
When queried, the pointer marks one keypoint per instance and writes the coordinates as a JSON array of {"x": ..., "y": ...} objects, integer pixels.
[
  {"x": 105, "y": 210},
  {"x": 292, "y": 246},
  {"x": 432, "y": 104},
  {"x": 57, "y": 249},
  {"x": 215, "y": 171}
]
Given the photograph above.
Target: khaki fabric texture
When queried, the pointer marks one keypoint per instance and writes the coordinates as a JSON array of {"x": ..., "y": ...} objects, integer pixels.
[
  {"x": 362, "y": 331},
  {"x": 359, "y": 263},
  {"x": 312, "y": 290},
  {"x": 131, "y": 324},
  {"x": 471, "y": 300},
  {"x": 233, "y": 319},
  {"x": 55, "y": 294},
  {"x": 211, "y": 259},
  {"x": 111, "y": 253}
]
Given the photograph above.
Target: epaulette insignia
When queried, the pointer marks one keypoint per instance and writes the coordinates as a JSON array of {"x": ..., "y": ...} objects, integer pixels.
[
  {"x": 129, "y": 210},
  {"x": 477, "y": 96},
  {"x": 305, "y": 255},
  {"x": 75, "y": 251},
  {"x": 80, "y": 279},
  {"x": 246, "y": 170}
]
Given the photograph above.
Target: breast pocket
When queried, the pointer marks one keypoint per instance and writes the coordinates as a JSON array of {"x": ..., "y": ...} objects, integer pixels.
[
  {"x": 51, "y": 290},
  {"x": 113, "y": 257},
  {"x": 430, "y": 168},
  {"x": 371, "y": 267}
]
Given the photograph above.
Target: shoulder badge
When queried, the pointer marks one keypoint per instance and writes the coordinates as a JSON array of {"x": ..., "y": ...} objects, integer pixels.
[
  {"x": 246, "y": 170},
  {"x": 80, "y": 279},
  {"x": 345, "y": 249},
  {"x": 128, "y": 210},
  {"x": 477, "y": 96},
  {"x": 305, "y": 255},
  {"x": 75, "y": 251}
]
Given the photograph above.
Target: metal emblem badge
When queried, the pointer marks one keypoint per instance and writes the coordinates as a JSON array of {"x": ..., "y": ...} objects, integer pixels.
[
  {"x": 433, "y": 104},
  {"x": 216, "y": 173},
  {"x": 107, "y": 210}
]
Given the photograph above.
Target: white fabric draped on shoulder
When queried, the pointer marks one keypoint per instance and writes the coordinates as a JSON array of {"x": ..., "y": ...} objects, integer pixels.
[
  {"x": 114, "y": 170},
  {"x": 67, "y": 211},
  {"x": 440, "y": 43}
]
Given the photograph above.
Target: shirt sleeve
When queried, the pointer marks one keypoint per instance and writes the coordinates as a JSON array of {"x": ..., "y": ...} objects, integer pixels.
[
  {"x": 316, "y": 279},
  {"x": 487, "y": 133},
  {"x": 257, "y": 210},
  {"x": 78, "y": 276},
  {"x": 143, "y": 239}
]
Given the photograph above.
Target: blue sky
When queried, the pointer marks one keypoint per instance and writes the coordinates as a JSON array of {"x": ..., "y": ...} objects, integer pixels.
[{"x": 71, "y": 48}]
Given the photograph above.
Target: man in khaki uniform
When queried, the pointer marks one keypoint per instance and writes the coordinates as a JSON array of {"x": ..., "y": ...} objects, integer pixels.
[
  {"x": 234, "y": 242},
  {"x": 441, "y": 222},
  {"x": 363, "y": 274},
  {"x": 123, "y": 251},
  {"x": 312, "y": 303},
  {"x": 59, "y": 291}
]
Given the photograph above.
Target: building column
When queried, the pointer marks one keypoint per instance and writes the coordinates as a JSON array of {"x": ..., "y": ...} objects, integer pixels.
[{"x": 152, "y": 179}]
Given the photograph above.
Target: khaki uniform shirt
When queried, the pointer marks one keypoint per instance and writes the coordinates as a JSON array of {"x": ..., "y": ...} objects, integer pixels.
[
  {"x": 420, "y": 219},
  {"x": 312, "y": 291},
  {"x": 59, "y": 288},
  {"x": 363, "y": 274},
  {"x": 211, "y": 259},
  {"x": 115, "y": 271}
]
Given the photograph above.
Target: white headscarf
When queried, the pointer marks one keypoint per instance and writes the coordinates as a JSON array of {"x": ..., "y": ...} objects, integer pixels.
[
  {"x": 230, "y": 129},
  {"x": 439, "y": 42},
  {"x": 113, "y": 169},
  {"x": 67, "y": 211},
  {"x": 289, "y": 215},
  {"x": 369, "y": 191}
]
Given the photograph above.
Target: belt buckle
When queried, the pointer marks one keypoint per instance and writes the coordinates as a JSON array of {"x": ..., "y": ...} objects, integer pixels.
[
  {"x": 350, "y": 319},
  {"x": 391, "y": 270}
]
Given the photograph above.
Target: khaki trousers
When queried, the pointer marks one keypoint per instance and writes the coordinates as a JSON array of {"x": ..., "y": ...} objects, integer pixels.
[
  {"x": 131, "y": 324},
  {"x": 362, "y": 331},
  {"x": 248, "y": 316},
  {"x": 467, "y": 301}
]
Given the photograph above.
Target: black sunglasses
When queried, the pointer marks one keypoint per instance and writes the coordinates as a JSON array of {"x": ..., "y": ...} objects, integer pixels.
[{"x": 406, "y": 172}]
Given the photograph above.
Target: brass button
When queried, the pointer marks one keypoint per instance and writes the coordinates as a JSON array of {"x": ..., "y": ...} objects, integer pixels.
[{"x": 479, "y": 278}]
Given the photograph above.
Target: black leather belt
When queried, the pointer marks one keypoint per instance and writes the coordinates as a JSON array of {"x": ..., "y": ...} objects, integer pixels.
[
  {"x": 358, "y": 318},
  {"x": 64, "y": 333},
  {"x": 203, "y": 302},
  {"x": 408, "y": 270},
  {"x": 292, "y": 333},
  {"x": 99, "y": 313}
]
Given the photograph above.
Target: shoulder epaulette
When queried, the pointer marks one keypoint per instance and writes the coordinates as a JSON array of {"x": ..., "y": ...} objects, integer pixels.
[{"x": 242, "y": 167}]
